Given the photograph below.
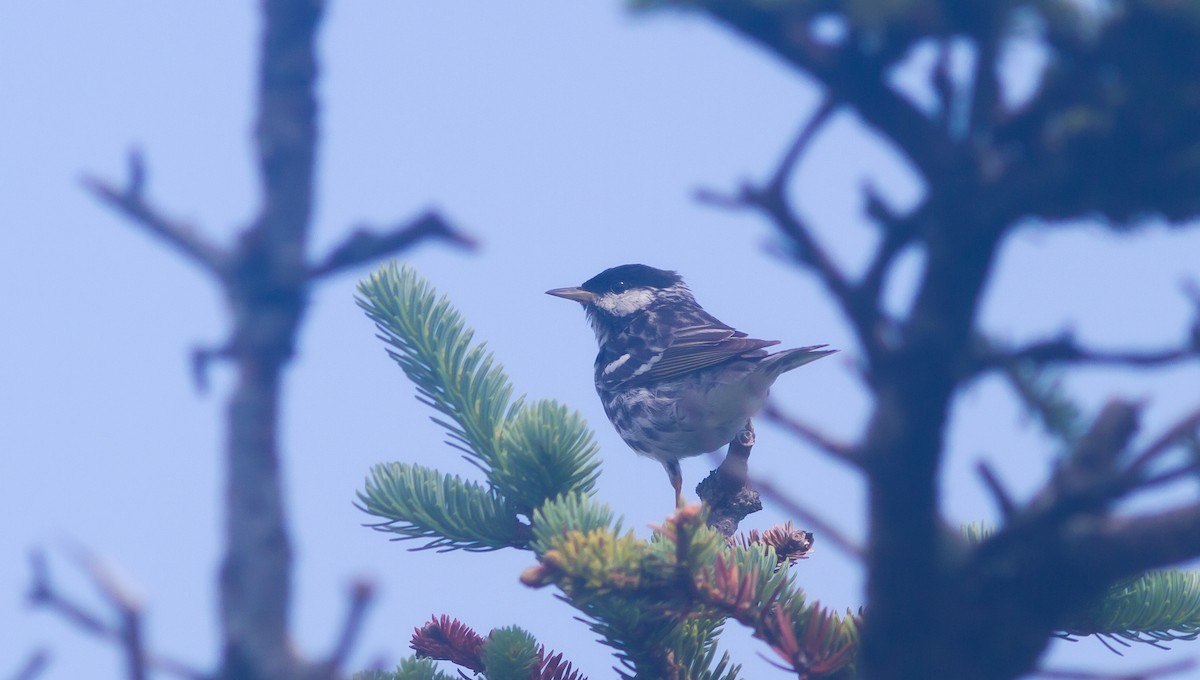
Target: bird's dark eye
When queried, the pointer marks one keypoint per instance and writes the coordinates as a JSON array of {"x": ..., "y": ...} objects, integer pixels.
[{"x": 620, "y": 287}]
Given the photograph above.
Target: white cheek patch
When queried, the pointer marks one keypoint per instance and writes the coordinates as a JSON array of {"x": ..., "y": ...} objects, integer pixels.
[{"x": 626, "y": 303}]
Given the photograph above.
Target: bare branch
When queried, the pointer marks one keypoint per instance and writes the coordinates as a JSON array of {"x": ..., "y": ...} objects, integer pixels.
[
  {"x": 131, "y": 202},
  {"x": 1003, "y": 499},
  {"x": 33, "y": 666},
  {"x": 361, "y": 594},
  {"x": 778, "y": 182},
  {"x": 128, "y": 633},
  {"x": 850, "y": 77},
  {"x": 129, "y": 608},
  {"x": 1064, "y": 349},
  {"x": 771, "y": 200},
  {"x": 363, "y": 246},
  {"x": 839, "y": 451},
  {"x": 812, "y": 519},
  {"x": 898, "y": 232},
  {"x": 1183, "y": 428}
]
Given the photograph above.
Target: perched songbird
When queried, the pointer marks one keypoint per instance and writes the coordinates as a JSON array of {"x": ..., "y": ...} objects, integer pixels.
[{"x": 674, "y": 380}]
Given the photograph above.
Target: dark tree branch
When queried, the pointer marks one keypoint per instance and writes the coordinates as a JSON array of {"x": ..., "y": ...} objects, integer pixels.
[
  {"x": 131, "y": 202},
  {"x": 851, "y": 77},
  {"x": 943, "y": 85},
  {"x": 1185, "y": 426},
  {"x": 898, "y": 232},
  {"x": 128, "y": 633},
  {"x": 777, "y": 185},
  {"x": 1066, "y": 350},
  {"x": 771, "y": 199},
  {"x": 363, "y": 246},
  {"x": 1003, "y": 498},
  {"x": 839, "y": 451}
]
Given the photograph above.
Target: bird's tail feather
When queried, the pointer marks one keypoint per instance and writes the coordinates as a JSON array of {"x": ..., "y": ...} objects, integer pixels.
[{"x": 784, "y": 361}]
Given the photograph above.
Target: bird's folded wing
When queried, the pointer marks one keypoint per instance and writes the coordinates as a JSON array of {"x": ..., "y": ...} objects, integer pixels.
[{"x": 697, "y": 347}]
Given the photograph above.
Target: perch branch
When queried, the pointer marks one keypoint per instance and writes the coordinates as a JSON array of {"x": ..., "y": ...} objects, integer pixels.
[{"x": 726, "y": 491}]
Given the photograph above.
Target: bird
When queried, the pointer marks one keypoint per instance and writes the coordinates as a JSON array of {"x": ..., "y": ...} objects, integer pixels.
[{"x": 674, "y": 381}]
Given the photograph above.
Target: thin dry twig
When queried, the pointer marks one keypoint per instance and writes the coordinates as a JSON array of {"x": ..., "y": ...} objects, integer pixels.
[
  {"x": 361, "y": 595},
  {"x": 1182, "y": 428},
  {"x": 839, "y": 451},
  {"x": 37, "y": 662},
  {"x": 128, "y": 632},
  {"x": 131, "y": 202},
  {"x": 364, "y": 245},
  {"x": 1065, "y": 349},
  {"x": 1003, "y": 499}
]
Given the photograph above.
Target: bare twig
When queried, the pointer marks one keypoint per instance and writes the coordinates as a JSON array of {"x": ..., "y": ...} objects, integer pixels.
[
  {"x": 771, "y": 199},
  {"x": 898, "y": 232},
  {"x": 33, "y": 666},
  {"x": 943, "y": 85},
  {"x": 131, "y": 202},
  {"x": 839, "y": 451},
  {"x": 128, "y": 633},
  {"x": 1064, "y": 349},
  {"x": 363, "y": 246},
  {"x": 1182, "y": 428},
  {"x": 783, "y": 172},
  {"x": 128, "y": 607},
  {"x": 821, "y": 528},
  {"x": 1004, "y": 501},
  {"x": 361, "y": 594}
]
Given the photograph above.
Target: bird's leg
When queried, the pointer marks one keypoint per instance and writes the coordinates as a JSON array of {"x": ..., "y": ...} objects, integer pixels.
[{"x": 675, "y": 474}]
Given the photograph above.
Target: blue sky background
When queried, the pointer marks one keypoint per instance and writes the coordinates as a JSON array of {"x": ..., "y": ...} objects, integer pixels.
[{"x": 567, "y": 139}]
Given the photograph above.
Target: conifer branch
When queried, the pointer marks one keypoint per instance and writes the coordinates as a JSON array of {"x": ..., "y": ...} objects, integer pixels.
[
  {"x": 1157, "y": 607},
  {"x": 429, "y": 339},
  {"x": 623, "y": 584},
  {"x": 417, "y": 502},
  {"x": 530, "y": 453},
  {"x": 505, "y": 653}
]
